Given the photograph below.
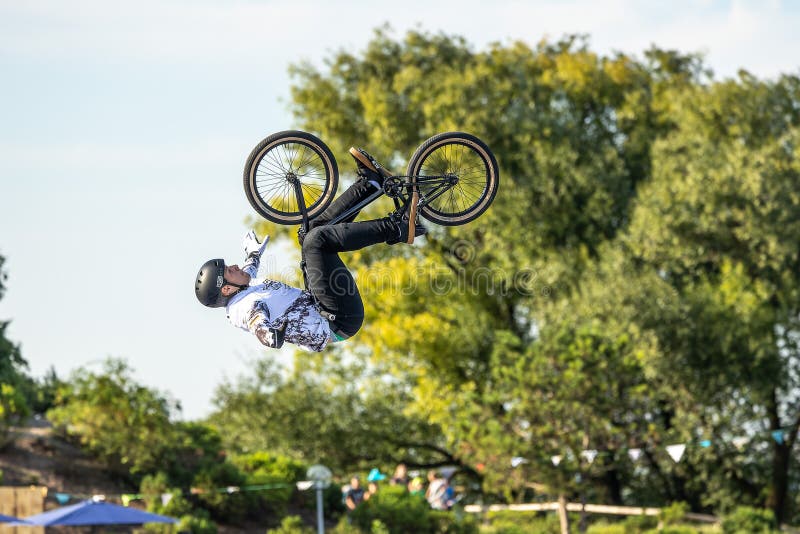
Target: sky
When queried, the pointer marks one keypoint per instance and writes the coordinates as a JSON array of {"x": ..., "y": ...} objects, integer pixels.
[{"x": 124, "y": 128}]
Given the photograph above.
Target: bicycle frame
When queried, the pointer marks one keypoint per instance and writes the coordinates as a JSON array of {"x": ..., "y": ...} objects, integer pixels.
[{"x": 440, "y": 184}]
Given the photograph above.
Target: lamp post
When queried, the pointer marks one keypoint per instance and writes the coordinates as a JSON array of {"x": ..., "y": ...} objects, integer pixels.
[{"x": 321, "y": 476}]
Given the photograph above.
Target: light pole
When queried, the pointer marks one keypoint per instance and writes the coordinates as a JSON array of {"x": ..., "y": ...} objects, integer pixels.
[{"x": 321, "y": 476}]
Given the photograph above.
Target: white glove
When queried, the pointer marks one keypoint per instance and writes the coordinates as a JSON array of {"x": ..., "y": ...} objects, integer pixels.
[{"x": 251, "y": 244}]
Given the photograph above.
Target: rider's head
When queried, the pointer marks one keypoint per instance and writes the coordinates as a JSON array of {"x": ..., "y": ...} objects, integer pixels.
[{"x": 216, "y": 283}]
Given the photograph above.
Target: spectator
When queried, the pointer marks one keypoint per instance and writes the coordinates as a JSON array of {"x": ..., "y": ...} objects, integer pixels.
[
  {"x": 400, "y": 476},
  {"x": 439, "y": 494},
  {"x": 355, "y": 495},
  {"x": 372, "y": 489},
  {"x": 417, "y": 487}
]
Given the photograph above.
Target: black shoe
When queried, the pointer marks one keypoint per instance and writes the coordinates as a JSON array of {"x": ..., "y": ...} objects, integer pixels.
[{"x": 400, "y": 223}]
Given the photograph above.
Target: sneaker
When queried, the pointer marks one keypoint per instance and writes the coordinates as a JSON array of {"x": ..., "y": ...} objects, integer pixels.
[{"x": 367, "y": 167}]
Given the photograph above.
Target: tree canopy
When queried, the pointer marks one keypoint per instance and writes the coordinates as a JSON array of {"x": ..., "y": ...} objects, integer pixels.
[{"x": 635, "y": 283}]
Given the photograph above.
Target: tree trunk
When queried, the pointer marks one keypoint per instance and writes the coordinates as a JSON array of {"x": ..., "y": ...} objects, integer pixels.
[
  {"x": 781, "y": 458},
  {"x": 776, "y": 498}
]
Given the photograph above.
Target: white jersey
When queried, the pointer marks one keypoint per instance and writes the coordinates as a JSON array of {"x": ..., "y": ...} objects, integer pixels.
[{"x": 273, "y": 304}]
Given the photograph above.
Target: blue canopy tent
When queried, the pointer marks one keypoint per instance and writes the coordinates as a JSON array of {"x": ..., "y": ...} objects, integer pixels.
[
  {"x": 89, "y": 513},
  {"x": 11, "y": 519}
]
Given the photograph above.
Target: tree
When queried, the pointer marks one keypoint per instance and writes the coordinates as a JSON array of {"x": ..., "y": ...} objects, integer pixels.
[
  {"x": 324, "y": 417},
  {"x": 634, "y": 283},
  {"x": 572, "y": 132},
  {"x": 125, "y": 424},
  {"x": 719, "y": 221},
  {"x": 13, "y": 404}
]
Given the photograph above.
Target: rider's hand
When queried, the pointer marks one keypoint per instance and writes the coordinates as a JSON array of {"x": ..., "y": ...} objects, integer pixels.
[
  {"x": 252, "y": 245},
  {"x": 271, "y": 337}
]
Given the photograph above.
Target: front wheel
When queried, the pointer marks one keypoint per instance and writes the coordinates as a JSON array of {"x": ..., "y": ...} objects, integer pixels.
[
  {"x": 468, "y": 168},
  {"x": 280, "y": 160}
]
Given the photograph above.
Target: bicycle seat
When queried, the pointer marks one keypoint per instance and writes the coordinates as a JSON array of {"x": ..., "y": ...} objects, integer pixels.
[{"x": 362, "y": 157}]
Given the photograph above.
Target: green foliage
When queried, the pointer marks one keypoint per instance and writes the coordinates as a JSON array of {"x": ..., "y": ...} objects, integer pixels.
[
  {"x": 678, "y": 529},
  {"x": 610, "y": 528},
  {"x": 154, "y": 486},
  {"x": 395, "y": 508},
  {"x": 281, "y": 472},
  {"x": 654, "y": 215},
  {"x": 453, "y": 522},
  {"x": 749, "y": 520},
  {"x": 13, "y": 407},
  {"x": 43, "y": 393},
  {"x": 674, "y": 513},
  {"x": 125, "y": 424},
  {"x": 508, "y": 522},
  {"x": 13, "y": 380},
  {"x": 193, "y": 447},
  {"x": 214, "y": 480},
  {"x": 292, "y": 525},
  {"x": 196, "y": 525},
  {"x": 195, "y": 520},
  {"x": 640, "y": 523},
  {"x": 330, "y": 414}
]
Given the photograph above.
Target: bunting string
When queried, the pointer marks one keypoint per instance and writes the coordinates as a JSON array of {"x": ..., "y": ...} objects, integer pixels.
[
  {"x": 675, "y": 451},
  {"x": 126, "y": 498}
]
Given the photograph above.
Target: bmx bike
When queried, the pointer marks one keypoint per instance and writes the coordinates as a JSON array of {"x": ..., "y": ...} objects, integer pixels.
[{"x": 291, "y": 177}]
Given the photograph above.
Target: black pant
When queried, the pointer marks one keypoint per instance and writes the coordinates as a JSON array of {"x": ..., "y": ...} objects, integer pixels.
[{"x": 327, "y": 276}]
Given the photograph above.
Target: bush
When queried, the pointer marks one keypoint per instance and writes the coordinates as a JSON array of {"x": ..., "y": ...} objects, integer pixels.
[
  {"x": 196, "y": 525},
  {"x": 194, "y": 520},
  {"x": 748, "y": 520},
  {"x": 400, "y": 511},
  {"x": 678, "y": 529},
  {"x": 231, "y": 507},
  {"x": 291, "y": 525},
  {"x": 508, "y": 522},
  {"x": 263, "y": 468},
  {"x": 610, "y": 528},
  {"x": 453, "y": 522},
  {"x": 674, "y": 513},
  {"x": 640, "y": 523}
]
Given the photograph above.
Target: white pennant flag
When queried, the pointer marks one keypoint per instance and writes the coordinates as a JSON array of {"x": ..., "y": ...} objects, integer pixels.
[
  {"x": 517, "y": 461},
  {"x": 739, "y": 442},
  {"x": 635, "y": 454},
  {"x": 589, "y": 455},
  {"x": 165, "y": 498},
  {"x": 676, "y": 451},
  {"x": 556, "y": 460}
]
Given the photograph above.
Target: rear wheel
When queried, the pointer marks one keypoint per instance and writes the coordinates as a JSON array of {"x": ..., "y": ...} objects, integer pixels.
[
  {"x": 470, "y": 167},
  {"x": 276, "y": 162}
]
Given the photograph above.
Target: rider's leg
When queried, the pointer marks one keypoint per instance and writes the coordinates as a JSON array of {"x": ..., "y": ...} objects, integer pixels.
[
  {"x": 369, "y": 182},
  {"x": 354, "y": 194},
  {"x": 328, "y": 278}
]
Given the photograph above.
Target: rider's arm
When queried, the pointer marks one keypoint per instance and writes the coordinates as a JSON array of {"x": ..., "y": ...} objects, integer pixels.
[
  {"x": 250, "y": 265},
  {"x": 269, "y": 333},
  {"x": 253, "y": 248}
]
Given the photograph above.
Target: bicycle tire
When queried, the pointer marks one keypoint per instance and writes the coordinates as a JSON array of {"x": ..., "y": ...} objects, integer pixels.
[
  {"x": 471, "y": 161},
  {"x": 267, "y": 169}
]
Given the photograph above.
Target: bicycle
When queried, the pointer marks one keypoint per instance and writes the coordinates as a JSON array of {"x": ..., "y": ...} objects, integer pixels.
[{"x": 291, "y": 177}]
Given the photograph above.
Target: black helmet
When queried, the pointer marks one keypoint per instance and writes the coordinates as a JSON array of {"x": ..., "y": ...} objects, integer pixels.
[{"x": 209, "y": 282}]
